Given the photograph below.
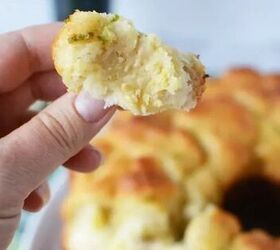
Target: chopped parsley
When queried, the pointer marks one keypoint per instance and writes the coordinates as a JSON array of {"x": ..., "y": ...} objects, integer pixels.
[
  {"x": 80, "y": 37},
  {"x": 115, "y": 18}
]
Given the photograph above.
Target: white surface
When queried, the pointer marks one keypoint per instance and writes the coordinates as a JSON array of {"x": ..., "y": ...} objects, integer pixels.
[
  {"x": 224, "y": 33},
  {"x": 48, "y": 217},
  {"x": 48, "y": 233},
  {"x": 250, "y": 21},
  {"x": 16, "y": 14}
]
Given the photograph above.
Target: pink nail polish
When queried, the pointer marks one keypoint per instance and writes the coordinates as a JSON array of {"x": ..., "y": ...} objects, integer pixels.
[
  {"x": 90, "y": 109},
  {"x": 44, "y": 192},
  {"x": 98, "y": 157}
]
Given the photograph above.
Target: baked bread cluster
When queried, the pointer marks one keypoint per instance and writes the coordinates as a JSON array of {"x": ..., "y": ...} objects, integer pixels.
[
  {"x": 165, "y": 177},
  {"x": 106, "y": 56}
]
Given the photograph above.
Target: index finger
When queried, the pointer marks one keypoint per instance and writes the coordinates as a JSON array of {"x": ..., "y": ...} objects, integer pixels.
[{"x": 25, "y": 52}]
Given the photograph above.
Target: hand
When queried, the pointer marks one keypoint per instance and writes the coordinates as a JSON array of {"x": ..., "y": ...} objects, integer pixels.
[{"x": 34, "y": 145}]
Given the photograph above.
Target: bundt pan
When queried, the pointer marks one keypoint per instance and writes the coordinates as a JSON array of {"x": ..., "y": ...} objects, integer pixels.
[{"x": 204, "y": 180}]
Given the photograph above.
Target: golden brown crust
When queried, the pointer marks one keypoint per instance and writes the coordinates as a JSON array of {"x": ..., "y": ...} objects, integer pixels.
[
  {"x": 255, "y": 240},
  {"x": 145, "y": 177},
  {"x": 181, "y": 164},
  {"x": 212, "y": 229}
]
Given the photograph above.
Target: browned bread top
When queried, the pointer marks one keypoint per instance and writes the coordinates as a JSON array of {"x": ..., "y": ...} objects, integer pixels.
[{"x": 166, "y": 177}]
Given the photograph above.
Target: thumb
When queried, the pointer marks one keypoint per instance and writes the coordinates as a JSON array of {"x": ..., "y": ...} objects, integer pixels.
[{"x": 30, "y": 153}]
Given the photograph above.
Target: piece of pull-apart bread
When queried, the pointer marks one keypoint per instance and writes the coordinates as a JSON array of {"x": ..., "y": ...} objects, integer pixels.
[{"x": 106, "y": 56}]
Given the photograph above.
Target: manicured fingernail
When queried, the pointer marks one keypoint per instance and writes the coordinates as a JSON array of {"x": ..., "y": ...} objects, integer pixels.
[
  {"x": 91, "y": 110},
  {"x": 101, "y": 159},
  {"x": 44, "y": 192},
  {"x": 98, "y": 157}
]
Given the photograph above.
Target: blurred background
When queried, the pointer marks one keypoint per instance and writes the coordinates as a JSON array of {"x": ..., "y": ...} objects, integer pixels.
[{"x": 224, "y": 33}]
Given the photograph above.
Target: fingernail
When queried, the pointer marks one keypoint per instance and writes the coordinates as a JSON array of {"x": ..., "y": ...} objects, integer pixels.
[
  {"x": 44, "y": 192},
  {"x": 102, "y": 159},
  {"x": 90, "y": 109},
  {"x": 98, "y": 157}
]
